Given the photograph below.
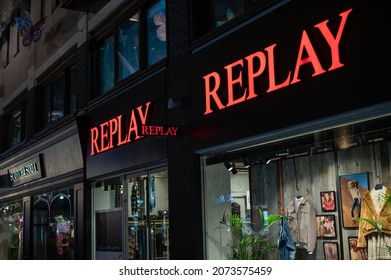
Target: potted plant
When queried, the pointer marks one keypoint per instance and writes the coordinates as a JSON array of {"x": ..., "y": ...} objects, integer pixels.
[{"x": 245, "y": 243}]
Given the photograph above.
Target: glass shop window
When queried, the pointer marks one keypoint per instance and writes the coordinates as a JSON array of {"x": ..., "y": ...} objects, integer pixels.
[
  {"x": 271, "y": 179},
  {"x": 11, "y": 231},
  {"x": 131, "y": 218}
]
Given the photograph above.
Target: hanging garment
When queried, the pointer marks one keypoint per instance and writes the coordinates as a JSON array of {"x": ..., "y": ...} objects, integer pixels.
[
  {"x": 152, "y": 197},
  {"x": 285, "y": 244},
  {"x": 373, "y": 209},
  {"x": 301, "y": 216},
  {"x": 135, "y": 199}
]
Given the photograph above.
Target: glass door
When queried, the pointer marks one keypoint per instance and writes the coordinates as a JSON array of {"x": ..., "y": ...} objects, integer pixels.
[
  {"x": 53, "y": 225},
  {"x": 148, "y": 216}
]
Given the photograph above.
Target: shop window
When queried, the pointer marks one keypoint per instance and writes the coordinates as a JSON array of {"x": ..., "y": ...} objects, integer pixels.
[
  {"x": 269, "y": 179},
  {"x": 209, "y": 15},
  {"x": 140, "y": 202},
  {"x": 136, "y": 44},
  {"x": 53, "y": 225},
  {"x": 11, "y": 231},
  {"x": 58, "y": 98}
]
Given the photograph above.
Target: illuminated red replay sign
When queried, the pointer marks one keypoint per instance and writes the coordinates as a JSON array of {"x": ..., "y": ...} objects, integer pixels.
[
  {"x": 122, "y": 130},
  {"x": 214, "y": 90}
]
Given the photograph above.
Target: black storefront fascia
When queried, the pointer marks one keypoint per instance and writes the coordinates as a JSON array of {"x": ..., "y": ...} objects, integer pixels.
[
  {"x": 351, "y": 88},
  {"x": 134, "y": 106},
  {"x": 31, "y": 173},
  {"x": 359, "y": 83},
  {"x": 135, "y": 152}
]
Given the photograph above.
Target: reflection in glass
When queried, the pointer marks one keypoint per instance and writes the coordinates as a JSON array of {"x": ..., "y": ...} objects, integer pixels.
[
  {"x": 11, "y": 231},
  {"x": 107, "y": 65},
  {"x": 156, "y": 26},
  {"x": 127, "y": 53},
  {"x": 53, "y": 226}
]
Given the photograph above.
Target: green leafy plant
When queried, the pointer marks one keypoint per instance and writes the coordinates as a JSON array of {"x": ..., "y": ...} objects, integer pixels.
[
  {"x": 245, "y": 243},
  {"x": 377, "y": 224}
]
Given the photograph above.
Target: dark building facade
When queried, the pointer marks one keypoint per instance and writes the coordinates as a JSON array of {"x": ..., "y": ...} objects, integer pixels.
[{"x": 137, "y": 127}]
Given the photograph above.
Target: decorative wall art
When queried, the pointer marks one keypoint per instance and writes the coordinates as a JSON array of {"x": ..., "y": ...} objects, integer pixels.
[
  {"x": 29, "y": 32},
  {"x": 352, "y": 187}
]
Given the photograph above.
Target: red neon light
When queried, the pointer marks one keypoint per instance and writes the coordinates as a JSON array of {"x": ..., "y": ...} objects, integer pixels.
[
  {"x": 120, "y": 130},
  {"x": 115, "y": 132},
  {"x": 213, "y": 81}
]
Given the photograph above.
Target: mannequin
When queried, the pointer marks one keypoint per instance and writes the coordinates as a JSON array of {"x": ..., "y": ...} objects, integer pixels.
[{"x": 373, "y": 209}]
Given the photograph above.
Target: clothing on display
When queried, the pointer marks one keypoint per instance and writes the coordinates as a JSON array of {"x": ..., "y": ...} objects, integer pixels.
[
  {"x": 135, "y": 199},
  {"x": 152, "y": 197},
  {"x": 373, "y": 209},
  {"x": 285, "y": 244},
  {"x": 301, "y": 216}
]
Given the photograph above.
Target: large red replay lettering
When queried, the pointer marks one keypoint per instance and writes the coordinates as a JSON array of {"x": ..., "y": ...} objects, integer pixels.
[{"x": 305, "y": 47}]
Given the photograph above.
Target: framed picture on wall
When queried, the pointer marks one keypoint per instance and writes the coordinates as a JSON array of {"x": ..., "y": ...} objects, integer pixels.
[
  {"x": 327, "y": 201},
  {"x": 330, "y": 251},
  {"x": 326, "y": 226},
  {"x": 352, "y": 188},
  {"x": 356, "y": 253}
]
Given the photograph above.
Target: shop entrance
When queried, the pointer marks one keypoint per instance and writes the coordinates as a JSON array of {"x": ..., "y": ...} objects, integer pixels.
[
  {"x": 140, "y": 202},
  {"x": 53, "y": 225},
  {"x": 148, "y": 218}
]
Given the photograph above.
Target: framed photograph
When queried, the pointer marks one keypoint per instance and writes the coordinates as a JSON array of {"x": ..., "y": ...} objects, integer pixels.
[
  {"x": 326, "y": 226},
  {"x": 330, "y": 251},
  {"x": 352, "y": 188},
  {"x": 327, "y": 200},
  {"x": 356, "y": 253}
]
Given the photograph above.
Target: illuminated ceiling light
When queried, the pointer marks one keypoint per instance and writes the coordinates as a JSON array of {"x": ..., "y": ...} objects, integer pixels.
[
  {"x": 246, "y": 163},
  {"x": 229, "y": 166}
]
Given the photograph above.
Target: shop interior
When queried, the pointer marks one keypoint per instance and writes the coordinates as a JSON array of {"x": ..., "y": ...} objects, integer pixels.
[{"x": 268, "y": 177}]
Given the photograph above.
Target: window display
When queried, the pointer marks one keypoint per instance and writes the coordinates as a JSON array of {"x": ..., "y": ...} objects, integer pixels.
[
  {"x": 335, "y": 170},
  {"x": 11, "y": 231}
]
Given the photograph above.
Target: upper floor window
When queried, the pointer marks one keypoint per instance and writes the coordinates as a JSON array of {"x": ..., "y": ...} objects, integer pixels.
[
  {"x": 14, "y": 124},
  {"x": 128, "y": 48},
  {"x": 57, "y": 98},
  {"x": 5, "y": 45},
  {"x": 156, "y": 32},
  {"x": 209, "y": 15},
  {"x": 136, "y": 44}
]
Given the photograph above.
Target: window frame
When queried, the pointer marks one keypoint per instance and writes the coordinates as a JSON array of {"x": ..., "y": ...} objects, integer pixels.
[
  {"x": 43, "y": 122},
  {"x": 113, "y": 31},
  {"x": 8, "y": 121},
  {"x": 201, "y": 14}
]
